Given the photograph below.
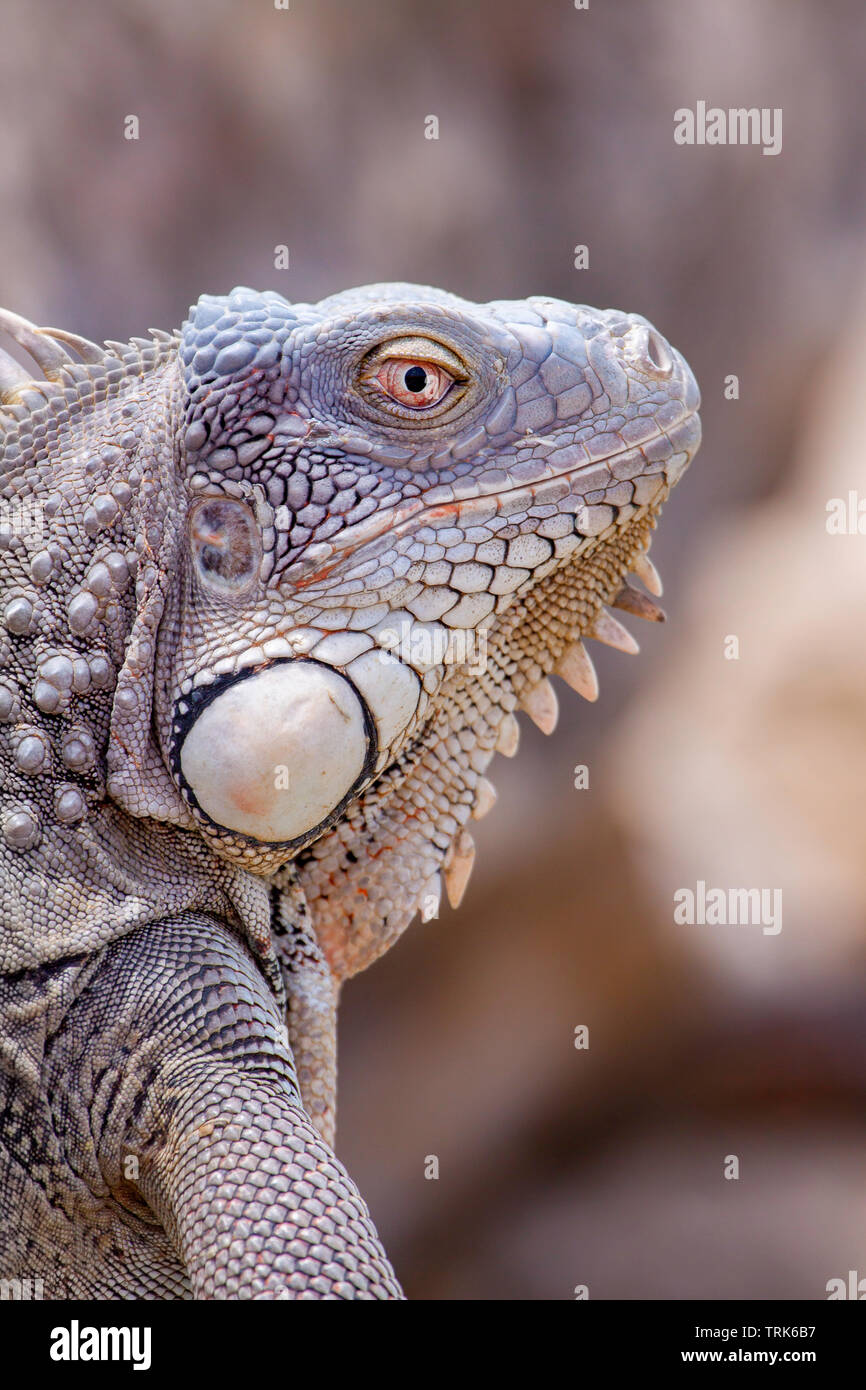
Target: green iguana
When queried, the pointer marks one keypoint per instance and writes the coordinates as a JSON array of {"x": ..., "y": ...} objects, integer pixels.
[{"x": 271, "y": 591}]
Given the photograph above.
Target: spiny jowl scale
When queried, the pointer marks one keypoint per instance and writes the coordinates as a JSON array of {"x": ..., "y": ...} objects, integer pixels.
[{"x": 271, "y": 591}]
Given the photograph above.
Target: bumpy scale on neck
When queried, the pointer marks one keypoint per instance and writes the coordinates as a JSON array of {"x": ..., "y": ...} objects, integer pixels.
[{"x": 92, "y": 515}]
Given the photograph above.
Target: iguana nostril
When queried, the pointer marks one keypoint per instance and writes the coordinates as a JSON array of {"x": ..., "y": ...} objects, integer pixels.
[{"x": 658, "y": 352}]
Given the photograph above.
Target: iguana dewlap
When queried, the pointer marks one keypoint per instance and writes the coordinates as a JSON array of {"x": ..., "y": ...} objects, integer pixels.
[{"x": 271, "y": 591}]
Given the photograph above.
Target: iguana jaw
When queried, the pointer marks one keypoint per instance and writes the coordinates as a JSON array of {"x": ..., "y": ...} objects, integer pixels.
[
  {"x": 437, "y": 507},
  {"x": 239, "y": 793}
]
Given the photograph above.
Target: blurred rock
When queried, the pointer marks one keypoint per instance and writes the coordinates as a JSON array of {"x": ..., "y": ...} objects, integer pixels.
[{"x": 755, "y": 768}]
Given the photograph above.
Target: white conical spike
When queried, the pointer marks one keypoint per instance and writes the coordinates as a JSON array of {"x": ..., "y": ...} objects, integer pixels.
[
  {"x": 606, "y": 629},
  {"x": 631, "y": 600},
  {"x": 87, "y": 351},
  {"x": 509, "y": 736},
  {"x": 542, "y": 706},
  {"x": 46, "y": 353},
  {"x": 485, "y": 798},
  {"x": 459, "y": 867},
  {"x": 431, "y": 898},
  {"x": 647, "y": 573},
  {"x": 577, "y": 670}
]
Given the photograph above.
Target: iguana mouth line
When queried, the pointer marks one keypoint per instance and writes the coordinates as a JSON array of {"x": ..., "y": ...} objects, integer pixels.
[{"x": 302, "y": 573}]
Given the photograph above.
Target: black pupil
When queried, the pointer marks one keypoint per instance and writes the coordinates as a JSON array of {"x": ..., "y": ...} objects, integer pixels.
[{"x": 415, "y": 379}]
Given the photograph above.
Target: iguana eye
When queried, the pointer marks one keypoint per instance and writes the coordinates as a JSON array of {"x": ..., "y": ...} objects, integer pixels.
[
  {"x": 225, "y": 543},
  {"x": 414, "y": 374},
  {"x": 415, "y": 383}
]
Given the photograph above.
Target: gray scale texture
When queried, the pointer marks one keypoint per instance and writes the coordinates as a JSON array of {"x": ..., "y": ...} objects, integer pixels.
[{"x": 178, "y": 516}]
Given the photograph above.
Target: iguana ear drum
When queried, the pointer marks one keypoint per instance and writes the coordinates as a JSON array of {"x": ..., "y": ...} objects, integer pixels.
[{"x": 274, "y": 753}]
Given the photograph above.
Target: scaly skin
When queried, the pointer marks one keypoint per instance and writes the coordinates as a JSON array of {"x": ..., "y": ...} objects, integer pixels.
[{"x": 270, "y": 593}]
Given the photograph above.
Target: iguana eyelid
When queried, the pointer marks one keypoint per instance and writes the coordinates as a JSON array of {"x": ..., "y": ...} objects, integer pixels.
[{"x": 419, "y": 349}]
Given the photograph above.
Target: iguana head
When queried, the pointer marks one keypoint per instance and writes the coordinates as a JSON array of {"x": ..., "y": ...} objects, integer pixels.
[
  {"x": 365, "y": 531},
  {"x": 378, "y": 485}
]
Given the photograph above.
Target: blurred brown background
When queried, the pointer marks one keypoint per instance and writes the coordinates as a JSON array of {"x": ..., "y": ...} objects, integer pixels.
[{"x": 260, "y": 127}]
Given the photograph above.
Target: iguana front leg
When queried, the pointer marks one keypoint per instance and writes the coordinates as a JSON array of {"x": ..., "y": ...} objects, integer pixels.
[{"x": 178, "y": 1056}]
